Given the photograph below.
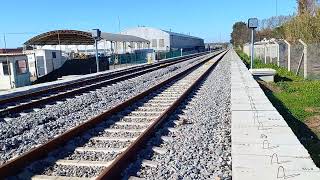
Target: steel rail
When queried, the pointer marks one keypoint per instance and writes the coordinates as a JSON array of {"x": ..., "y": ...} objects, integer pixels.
[
  {"x": 70, "y": 93},
  {"x": 13, "y": 166},
  {"x": 97, "y": 78},
  {"x": 114, "y": 170}
]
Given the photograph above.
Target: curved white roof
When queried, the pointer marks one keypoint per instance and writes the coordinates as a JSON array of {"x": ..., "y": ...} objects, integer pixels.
[{"x": 168, "y": 32}]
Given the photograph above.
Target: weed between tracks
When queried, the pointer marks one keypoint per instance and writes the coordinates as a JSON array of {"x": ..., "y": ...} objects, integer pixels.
[{"x": 298, "y": 101}]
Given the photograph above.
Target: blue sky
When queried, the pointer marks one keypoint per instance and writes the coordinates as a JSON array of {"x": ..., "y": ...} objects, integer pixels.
[{"x": 209, "y": 19}]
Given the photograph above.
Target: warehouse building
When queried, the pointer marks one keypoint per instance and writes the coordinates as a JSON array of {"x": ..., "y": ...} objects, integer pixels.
[{"x": 162, "y": 40}]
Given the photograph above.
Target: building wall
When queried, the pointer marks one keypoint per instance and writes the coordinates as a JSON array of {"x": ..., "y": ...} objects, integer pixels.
[
  {"x": 77, "y": 48},
  {"x": 17, "y": 79},
  {"x": 165, "y": 40},
  {"x": 4, "y": 80},
  {"x": 178, "y": 42},
  {"x": 46, "y": 63},
  {"x": 159, "y": 40},
  {"x": 104, "y": 47}
]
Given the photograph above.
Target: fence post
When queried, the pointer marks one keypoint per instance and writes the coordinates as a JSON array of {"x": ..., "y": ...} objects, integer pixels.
[
  {"x": 305, "y": 59},
  {"x": 270, "y": 55},
  {"x": 265, "y": 53},
  {"x": 278, "y": 51},
  {"x": 289, "y": 54}
]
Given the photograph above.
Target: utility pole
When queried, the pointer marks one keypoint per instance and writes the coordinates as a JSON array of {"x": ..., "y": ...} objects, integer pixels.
[
  {"x": 7, "y": 58},
  {"x": 96, "y": 34},
  {"x": 252, "y": 24}
]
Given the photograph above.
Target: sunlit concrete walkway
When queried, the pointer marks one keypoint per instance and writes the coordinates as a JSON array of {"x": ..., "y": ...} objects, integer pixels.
[{"x": 263, "y": 145}]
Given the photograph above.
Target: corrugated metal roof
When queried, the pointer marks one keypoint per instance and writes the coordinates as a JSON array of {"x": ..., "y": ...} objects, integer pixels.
[{"x": 75, "y": 37}]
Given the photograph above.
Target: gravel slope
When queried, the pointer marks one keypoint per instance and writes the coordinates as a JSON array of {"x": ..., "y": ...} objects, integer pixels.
[
  {"x": 201, "y": 147},
  {"x": 23, "y": 133}
]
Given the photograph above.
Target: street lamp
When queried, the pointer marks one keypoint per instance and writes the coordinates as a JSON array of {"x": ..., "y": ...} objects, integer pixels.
[
  {"x": 252, "y": 24},
  {"x": 96, "y": 34}
]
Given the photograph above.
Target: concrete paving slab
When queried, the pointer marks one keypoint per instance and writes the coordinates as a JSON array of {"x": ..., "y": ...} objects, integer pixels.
[
  {"x": 263, "y": 145},
  {"x": 284, "y": 168},
  {"x": 269, "y": 148},
  {"x": 276, "y": 138}
]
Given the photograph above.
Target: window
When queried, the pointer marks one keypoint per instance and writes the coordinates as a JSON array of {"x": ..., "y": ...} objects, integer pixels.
[
  {"x": 54, "y": 55},
  {"x": 21, "y": 66},
  {"x": 154, "y": 43},
  {"x": 6, "y": 68},
  {"x": 161, "y": 42}
]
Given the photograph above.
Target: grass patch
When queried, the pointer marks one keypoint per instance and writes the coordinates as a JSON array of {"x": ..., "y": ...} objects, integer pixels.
[{"x": 298, "y": 101}]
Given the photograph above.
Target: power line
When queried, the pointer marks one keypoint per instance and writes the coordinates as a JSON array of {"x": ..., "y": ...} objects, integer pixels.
[{"x": 22, "y": 33}]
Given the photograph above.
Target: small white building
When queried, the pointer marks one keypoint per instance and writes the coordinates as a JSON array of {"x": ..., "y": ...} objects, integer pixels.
[
  {"x": 44, "y": 61},
  {"x": 14, "y": 71}
]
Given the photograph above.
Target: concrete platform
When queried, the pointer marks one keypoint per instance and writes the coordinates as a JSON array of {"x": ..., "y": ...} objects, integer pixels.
[{"x": 263, "y": 145}]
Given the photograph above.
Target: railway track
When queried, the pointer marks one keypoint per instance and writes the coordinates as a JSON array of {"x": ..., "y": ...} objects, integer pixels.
[
  {"x": 101, "y": 147},
  {"x": 18, "y": 105}
]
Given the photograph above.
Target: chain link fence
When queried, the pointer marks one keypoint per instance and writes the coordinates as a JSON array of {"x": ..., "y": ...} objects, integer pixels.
[{"x": 298, "y": 57}]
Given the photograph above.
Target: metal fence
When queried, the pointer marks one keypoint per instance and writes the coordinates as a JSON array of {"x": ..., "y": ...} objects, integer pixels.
[
  {"x": 132, "y": 58},
  {"x": 301, "y": 58},
  {"x": 122, "y": 60}
]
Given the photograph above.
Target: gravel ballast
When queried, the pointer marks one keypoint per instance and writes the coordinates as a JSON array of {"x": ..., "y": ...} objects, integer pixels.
[
  {"x": 201, "y": 146},
  {"x": 22, "y": 133}
]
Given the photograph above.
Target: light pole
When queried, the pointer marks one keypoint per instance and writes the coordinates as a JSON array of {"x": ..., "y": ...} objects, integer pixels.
[
  {"x": 252, "y": 24},
  {"x": 96, "y": 34}
]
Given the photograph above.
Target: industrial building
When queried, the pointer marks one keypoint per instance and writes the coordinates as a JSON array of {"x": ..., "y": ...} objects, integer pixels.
[
  {"x": 162, "y": 40},
  {"x": 14, "y": 71}
]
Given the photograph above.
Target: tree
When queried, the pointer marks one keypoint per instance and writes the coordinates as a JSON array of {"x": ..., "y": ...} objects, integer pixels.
[
  {"x": 240, "y": 34},
  {"x": 307, "y": 6}
]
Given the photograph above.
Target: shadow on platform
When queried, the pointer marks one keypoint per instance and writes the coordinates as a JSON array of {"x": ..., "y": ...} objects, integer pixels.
[{"x": 305, "y": 135}]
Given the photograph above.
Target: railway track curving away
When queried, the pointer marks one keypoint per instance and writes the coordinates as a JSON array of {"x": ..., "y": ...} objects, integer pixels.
[{"x": 104, "y": 145}]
